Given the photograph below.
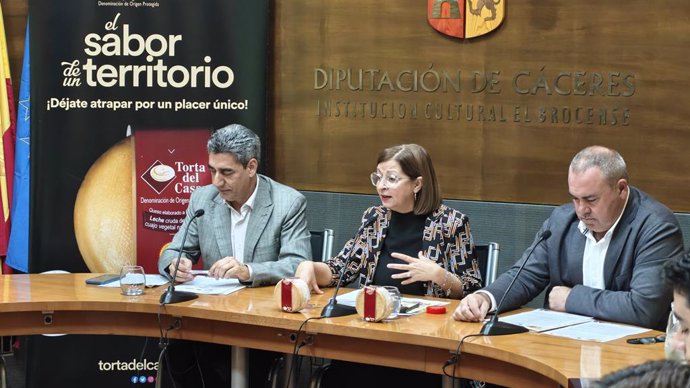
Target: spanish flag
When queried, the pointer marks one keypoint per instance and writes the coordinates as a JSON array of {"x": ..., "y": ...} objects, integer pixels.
[
  {"x": 9, "y": 133},
  {"x": 18, "y": 249}
]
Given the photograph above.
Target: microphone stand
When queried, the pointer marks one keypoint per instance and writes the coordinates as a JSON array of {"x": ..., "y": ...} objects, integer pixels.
[
  {"x": 496, "y": 327},
  {"x": 171, "y": 296},
  {"x": 333, "y": 309}
]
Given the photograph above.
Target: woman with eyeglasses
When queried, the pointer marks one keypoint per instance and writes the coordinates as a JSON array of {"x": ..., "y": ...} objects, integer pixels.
[{"x": 412, "y": 240}]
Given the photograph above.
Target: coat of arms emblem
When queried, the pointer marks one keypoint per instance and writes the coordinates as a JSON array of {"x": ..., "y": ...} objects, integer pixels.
[{"x": 465, "y": 18}]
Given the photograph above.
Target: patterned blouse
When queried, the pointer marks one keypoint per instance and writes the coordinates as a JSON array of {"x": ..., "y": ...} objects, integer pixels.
[{"x": 446, "y": 240}]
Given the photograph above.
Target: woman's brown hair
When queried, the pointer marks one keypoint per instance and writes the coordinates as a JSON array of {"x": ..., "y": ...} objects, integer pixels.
[{"x": 416, "y": 162}]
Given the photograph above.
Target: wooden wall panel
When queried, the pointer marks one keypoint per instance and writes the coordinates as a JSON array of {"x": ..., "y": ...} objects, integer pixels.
[
  {"x": 476, "y": 160},
  {"x": 639, "y": 45}
]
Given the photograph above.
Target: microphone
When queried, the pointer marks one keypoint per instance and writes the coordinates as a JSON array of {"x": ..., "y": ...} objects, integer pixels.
[
  {"x": 332, "y": 308},
  {"x": 496, "y": 327},
  {"x": 171, "y": 296}
]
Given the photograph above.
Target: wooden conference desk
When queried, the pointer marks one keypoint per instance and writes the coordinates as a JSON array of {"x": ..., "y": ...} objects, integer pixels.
[{"x": 63, "y": 303}]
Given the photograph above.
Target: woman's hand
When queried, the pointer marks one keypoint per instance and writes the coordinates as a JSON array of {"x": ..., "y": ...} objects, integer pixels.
[
  {"x": 305, "y": 271},
  {"x": 419, "y": 269}
]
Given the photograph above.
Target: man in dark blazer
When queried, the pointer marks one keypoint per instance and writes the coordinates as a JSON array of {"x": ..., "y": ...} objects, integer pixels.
[{"x": 605, "y": 254}]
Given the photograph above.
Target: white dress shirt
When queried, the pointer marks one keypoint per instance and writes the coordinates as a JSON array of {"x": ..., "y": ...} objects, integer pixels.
[
  {"x": 240, "y": 220},
  {"x": 595, "y": 253}
]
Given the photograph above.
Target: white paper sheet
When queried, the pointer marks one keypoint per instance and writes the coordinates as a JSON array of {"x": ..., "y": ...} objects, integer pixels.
[
  {"x": 200, "y": 285},
  {"x": 210, "y": 286},
  {"x": 597, "y": 331},
  {"x": 541, "y": 319}
]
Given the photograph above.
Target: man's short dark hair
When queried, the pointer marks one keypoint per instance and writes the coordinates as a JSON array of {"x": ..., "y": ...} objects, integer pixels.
[
  {"x": 651, "y": 374},
  {"x": 677, "y": 274}
]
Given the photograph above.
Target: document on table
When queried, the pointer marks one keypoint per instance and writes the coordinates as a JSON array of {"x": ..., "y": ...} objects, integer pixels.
[
  {"x": 210, "y": 286},
  {"x": 201, "y": 284},
  {"x": 412, "y": 305},
  {"x": 597, "y": 331},
  {"x": 572, "y": 326},
  {"x": 541, "y": 319}
]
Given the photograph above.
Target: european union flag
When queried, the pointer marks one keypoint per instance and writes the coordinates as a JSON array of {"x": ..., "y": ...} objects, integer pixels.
[{"x": 18, "y": 249}]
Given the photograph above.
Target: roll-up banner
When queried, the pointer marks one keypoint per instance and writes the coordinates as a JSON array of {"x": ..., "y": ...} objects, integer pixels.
[{"x": 124, "y": 96}]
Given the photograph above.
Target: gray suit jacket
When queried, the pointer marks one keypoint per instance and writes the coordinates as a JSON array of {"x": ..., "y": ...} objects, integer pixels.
[
  {"x": 277, "y": 237},
  {"x": 646, "y": 237}
]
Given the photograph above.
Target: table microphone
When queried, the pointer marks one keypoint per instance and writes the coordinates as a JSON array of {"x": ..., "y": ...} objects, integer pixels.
[
  {"x": 496, "y": 327},
  {"x": 333, "y": 309},
  {"x": 172, "y": 296}
]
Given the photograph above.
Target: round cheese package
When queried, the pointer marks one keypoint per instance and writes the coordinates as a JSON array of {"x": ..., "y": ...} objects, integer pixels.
[
  {"x": 374, "y": 303},
  {"x": 291, "y": 294}
]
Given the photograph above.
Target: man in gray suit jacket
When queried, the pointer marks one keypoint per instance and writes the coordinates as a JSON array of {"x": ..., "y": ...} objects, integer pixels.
[
  {"x": 605, "y": 254},
  {"x": 253, "y": 228}
]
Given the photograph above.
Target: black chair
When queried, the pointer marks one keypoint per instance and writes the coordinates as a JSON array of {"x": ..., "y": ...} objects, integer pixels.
[
  {"x": 321, "y": 244},
  {"x": 321, "y": 249},
  {"x": 3, "y": 373},
  {"x": 487, "y": 256}
]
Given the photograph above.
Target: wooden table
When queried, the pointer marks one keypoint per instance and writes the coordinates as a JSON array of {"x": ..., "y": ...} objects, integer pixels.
[{"x": 63, "y": 303}]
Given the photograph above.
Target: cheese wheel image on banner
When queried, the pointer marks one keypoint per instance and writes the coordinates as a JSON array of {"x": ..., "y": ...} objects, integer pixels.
[
  {"x": 374, "y": 303},
  {"x": 104, "y": 211},
  {"x": 291, "y": 294}
]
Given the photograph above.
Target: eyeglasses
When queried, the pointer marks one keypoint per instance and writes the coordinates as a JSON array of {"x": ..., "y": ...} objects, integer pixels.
[
  {"x": 647, "y": 340},
  {"x": 389, "y": 180}
]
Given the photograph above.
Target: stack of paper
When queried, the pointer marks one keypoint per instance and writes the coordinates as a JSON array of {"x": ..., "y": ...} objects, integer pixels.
[{"x": 571, "y": 325}]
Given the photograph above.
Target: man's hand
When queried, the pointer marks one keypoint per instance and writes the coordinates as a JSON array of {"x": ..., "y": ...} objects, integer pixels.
[
  {"x": 184, "y": 272},
  {"x": 472, "y": 308},
  {"x": 229, "y": 268},
  {"x": 557, "y": 298}
]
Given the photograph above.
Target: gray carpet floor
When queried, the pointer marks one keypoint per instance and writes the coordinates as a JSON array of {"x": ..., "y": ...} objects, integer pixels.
[{"x": 15, "y": 362}]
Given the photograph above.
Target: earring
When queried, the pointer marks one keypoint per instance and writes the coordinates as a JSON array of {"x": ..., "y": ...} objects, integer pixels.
[{"x": 415, "y": 196}]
